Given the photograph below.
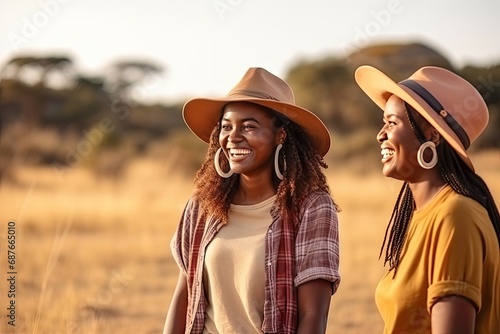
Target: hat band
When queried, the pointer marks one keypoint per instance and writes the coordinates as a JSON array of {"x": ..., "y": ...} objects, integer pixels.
[
  {"x": 438, "y": 108},
  {"x": 249, "y": 93}
]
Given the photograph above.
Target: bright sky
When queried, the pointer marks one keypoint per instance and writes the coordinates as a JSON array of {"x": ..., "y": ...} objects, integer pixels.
[{"x": 207, "y": 45}]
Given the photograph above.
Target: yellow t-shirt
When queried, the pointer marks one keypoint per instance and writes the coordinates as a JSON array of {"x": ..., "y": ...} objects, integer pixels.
[
  {"x": 451, "y": 249},
  {"x": 234, "y": 271}
]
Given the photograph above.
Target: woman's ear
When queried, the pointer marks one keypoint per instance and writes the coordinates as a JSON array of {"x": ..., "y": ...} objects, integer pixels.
[
  {"x": 281, "y": 135},
  {"x": 435, "y": 136}
]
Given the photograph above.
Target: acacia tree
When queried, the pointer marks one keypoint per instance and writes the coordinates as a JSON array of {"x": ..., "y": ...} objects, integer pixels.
[
  {"x": 31, "y": 79},
  {"x": 124, "y": 76}
]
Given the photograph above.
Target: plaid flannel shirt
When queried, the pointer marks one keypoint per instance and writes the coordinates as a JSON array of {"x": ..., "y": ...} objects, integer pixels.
[{"x": 294, "y": 255}]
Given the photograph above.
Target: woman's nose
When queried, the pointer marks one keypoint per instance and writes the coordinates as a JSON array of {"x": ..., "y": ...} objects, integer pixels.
[
  {"x": 234, "y": 134},
  {"x": 382, "y": 135}
]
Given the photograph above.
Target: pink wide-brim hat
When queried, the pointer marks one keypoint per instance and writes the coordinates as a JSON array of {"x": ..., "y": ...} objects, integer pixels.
[{"x": 447, "y": 101}]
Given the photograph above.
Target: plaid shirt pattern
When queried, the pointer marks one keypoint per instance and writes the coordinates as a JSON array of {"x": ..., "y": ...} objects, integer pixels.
[{"x": 295, "y": 254}]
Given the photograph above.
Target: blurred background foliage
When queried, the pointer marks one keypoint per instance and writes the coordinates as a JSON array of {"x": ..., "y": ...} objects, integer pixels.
[{"x": 51, "y": 114}]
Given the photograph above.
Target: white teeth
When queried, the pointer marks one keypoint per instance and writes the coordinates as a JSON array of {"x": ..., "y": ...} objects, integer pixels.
[
  {"x": 238, "y": 152},
  {"x": 386, "y": 153}
]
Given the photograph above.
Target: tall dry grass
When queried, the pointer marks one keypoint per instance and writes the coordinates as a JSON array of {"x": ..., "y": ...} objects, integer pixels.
[{"x": 92, "y": 256}]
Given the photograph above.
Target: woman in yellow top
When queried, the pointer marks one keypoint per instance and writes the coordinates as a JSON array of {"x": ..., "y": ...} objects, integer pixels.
[{"x": 442, "y": 241}]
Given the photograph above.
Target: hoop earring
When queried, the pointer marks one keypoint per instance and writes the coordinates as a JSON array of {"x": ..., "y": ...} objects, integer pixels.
[
  {"x": 420, "y": 155},
  {"x": 217, "y": 166},
  {"x": 276, "y": 162}
]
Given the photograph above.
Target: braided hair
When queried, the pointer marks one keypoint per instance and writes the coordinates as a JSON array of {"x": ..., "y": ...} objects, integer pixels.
[
  {"x": 302, "y": 173},
  {"x": 455, "y": 172}
]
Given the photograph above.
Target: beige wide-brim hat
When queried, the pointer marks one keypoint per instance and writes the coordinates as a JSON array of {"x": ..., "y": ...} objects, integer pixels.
[
  {"x": 257, "y": 86},
  {"x": 447, "y": 101}
]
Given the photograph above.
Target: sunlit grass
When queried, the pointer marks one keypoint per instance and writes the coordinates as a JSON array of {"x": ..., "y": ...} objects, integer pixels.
[{"x": 93, "y": 256}]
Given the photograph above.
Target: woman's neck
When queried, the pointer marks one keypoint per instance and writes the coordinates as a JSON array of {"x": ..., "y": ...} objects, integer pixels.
[
  {"x": 424, "y": 191},
  {"x": 253, "y": 190}
]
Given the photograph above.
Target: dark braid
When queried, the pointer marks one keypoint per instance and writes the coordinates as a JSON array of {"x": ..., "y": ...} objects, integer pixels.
[
  {"x": 466, "y": 182},
  {"x": 401, "y": 215},
  {"x": 454, "y": 172},
  {"x": 302, "y": 174}
]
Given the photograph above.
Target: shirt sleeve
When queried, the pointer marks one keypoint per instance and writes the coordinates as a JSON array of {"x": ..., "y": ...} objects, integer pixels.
[
  {"x": 181, "y": 240},
  {"x": 459, "y": 249},
  {"x": 317, "y": 242}
]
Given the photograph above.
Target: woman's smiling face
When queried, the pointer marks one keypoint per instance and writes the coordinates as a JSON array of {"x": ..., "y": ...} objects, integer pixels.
[
  {"x": 249, "y": 138},
  {"x": 399, "y": 144}
]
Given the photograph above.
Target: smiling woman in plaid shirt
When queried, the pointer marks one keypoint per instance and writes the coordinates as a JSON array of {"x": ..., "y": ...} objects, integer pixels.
[{"x": 257, "y": 243}]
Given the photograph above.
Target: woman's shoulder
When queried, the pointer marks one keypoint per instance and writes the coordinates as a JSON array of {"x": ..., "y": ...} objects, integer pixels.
[
  {"x": 319, "y": 195},
  {"x": 458, "y": 205},
  {"x": 456, "y": 210},
  {"x": 318, "y": 198},
  {"x": 192, "y": 209}
]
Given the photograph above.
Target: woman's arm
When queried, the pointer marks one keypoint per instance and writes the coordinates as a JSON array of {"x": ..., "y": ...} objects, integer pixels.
[
  {"x": 176, "y": 316},
  {"x": 453, "y": 314},
  {"x": 313, "y": 303}
]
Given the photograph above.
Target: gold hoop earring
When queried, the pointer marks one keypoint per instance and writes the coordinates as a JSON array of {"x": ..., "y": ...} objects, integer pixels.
[{"x": 217, "y": 165}]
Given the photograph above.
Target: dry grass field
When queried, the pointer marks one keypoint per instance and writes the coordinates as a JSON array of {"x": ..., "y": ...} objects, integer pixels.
[{"x": 92, "y": 256}]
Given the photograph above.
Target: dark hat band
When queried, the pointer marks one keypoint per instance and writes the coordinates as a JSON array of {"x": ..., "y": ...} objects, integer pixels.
[{"x": 438, "y": 108}]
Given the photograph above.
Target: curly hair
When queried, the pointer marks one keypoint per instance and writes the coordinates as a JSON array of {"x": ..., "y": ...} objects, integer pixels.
[
  {"x": 299, "y": 161},
  {"x": 454, "y": 172}
]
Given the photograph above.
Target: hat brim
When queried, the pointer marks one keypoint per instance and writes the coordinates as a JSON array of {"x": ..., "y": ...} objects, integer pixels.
[
  {"x": 201, "y": 115},
  {"x": 379, "y": 88}
]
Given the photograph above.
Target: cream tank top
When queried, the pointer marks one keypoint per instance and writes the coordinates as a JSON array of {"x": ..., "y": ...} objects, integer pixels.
[{"x": 234, "y": 274}]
